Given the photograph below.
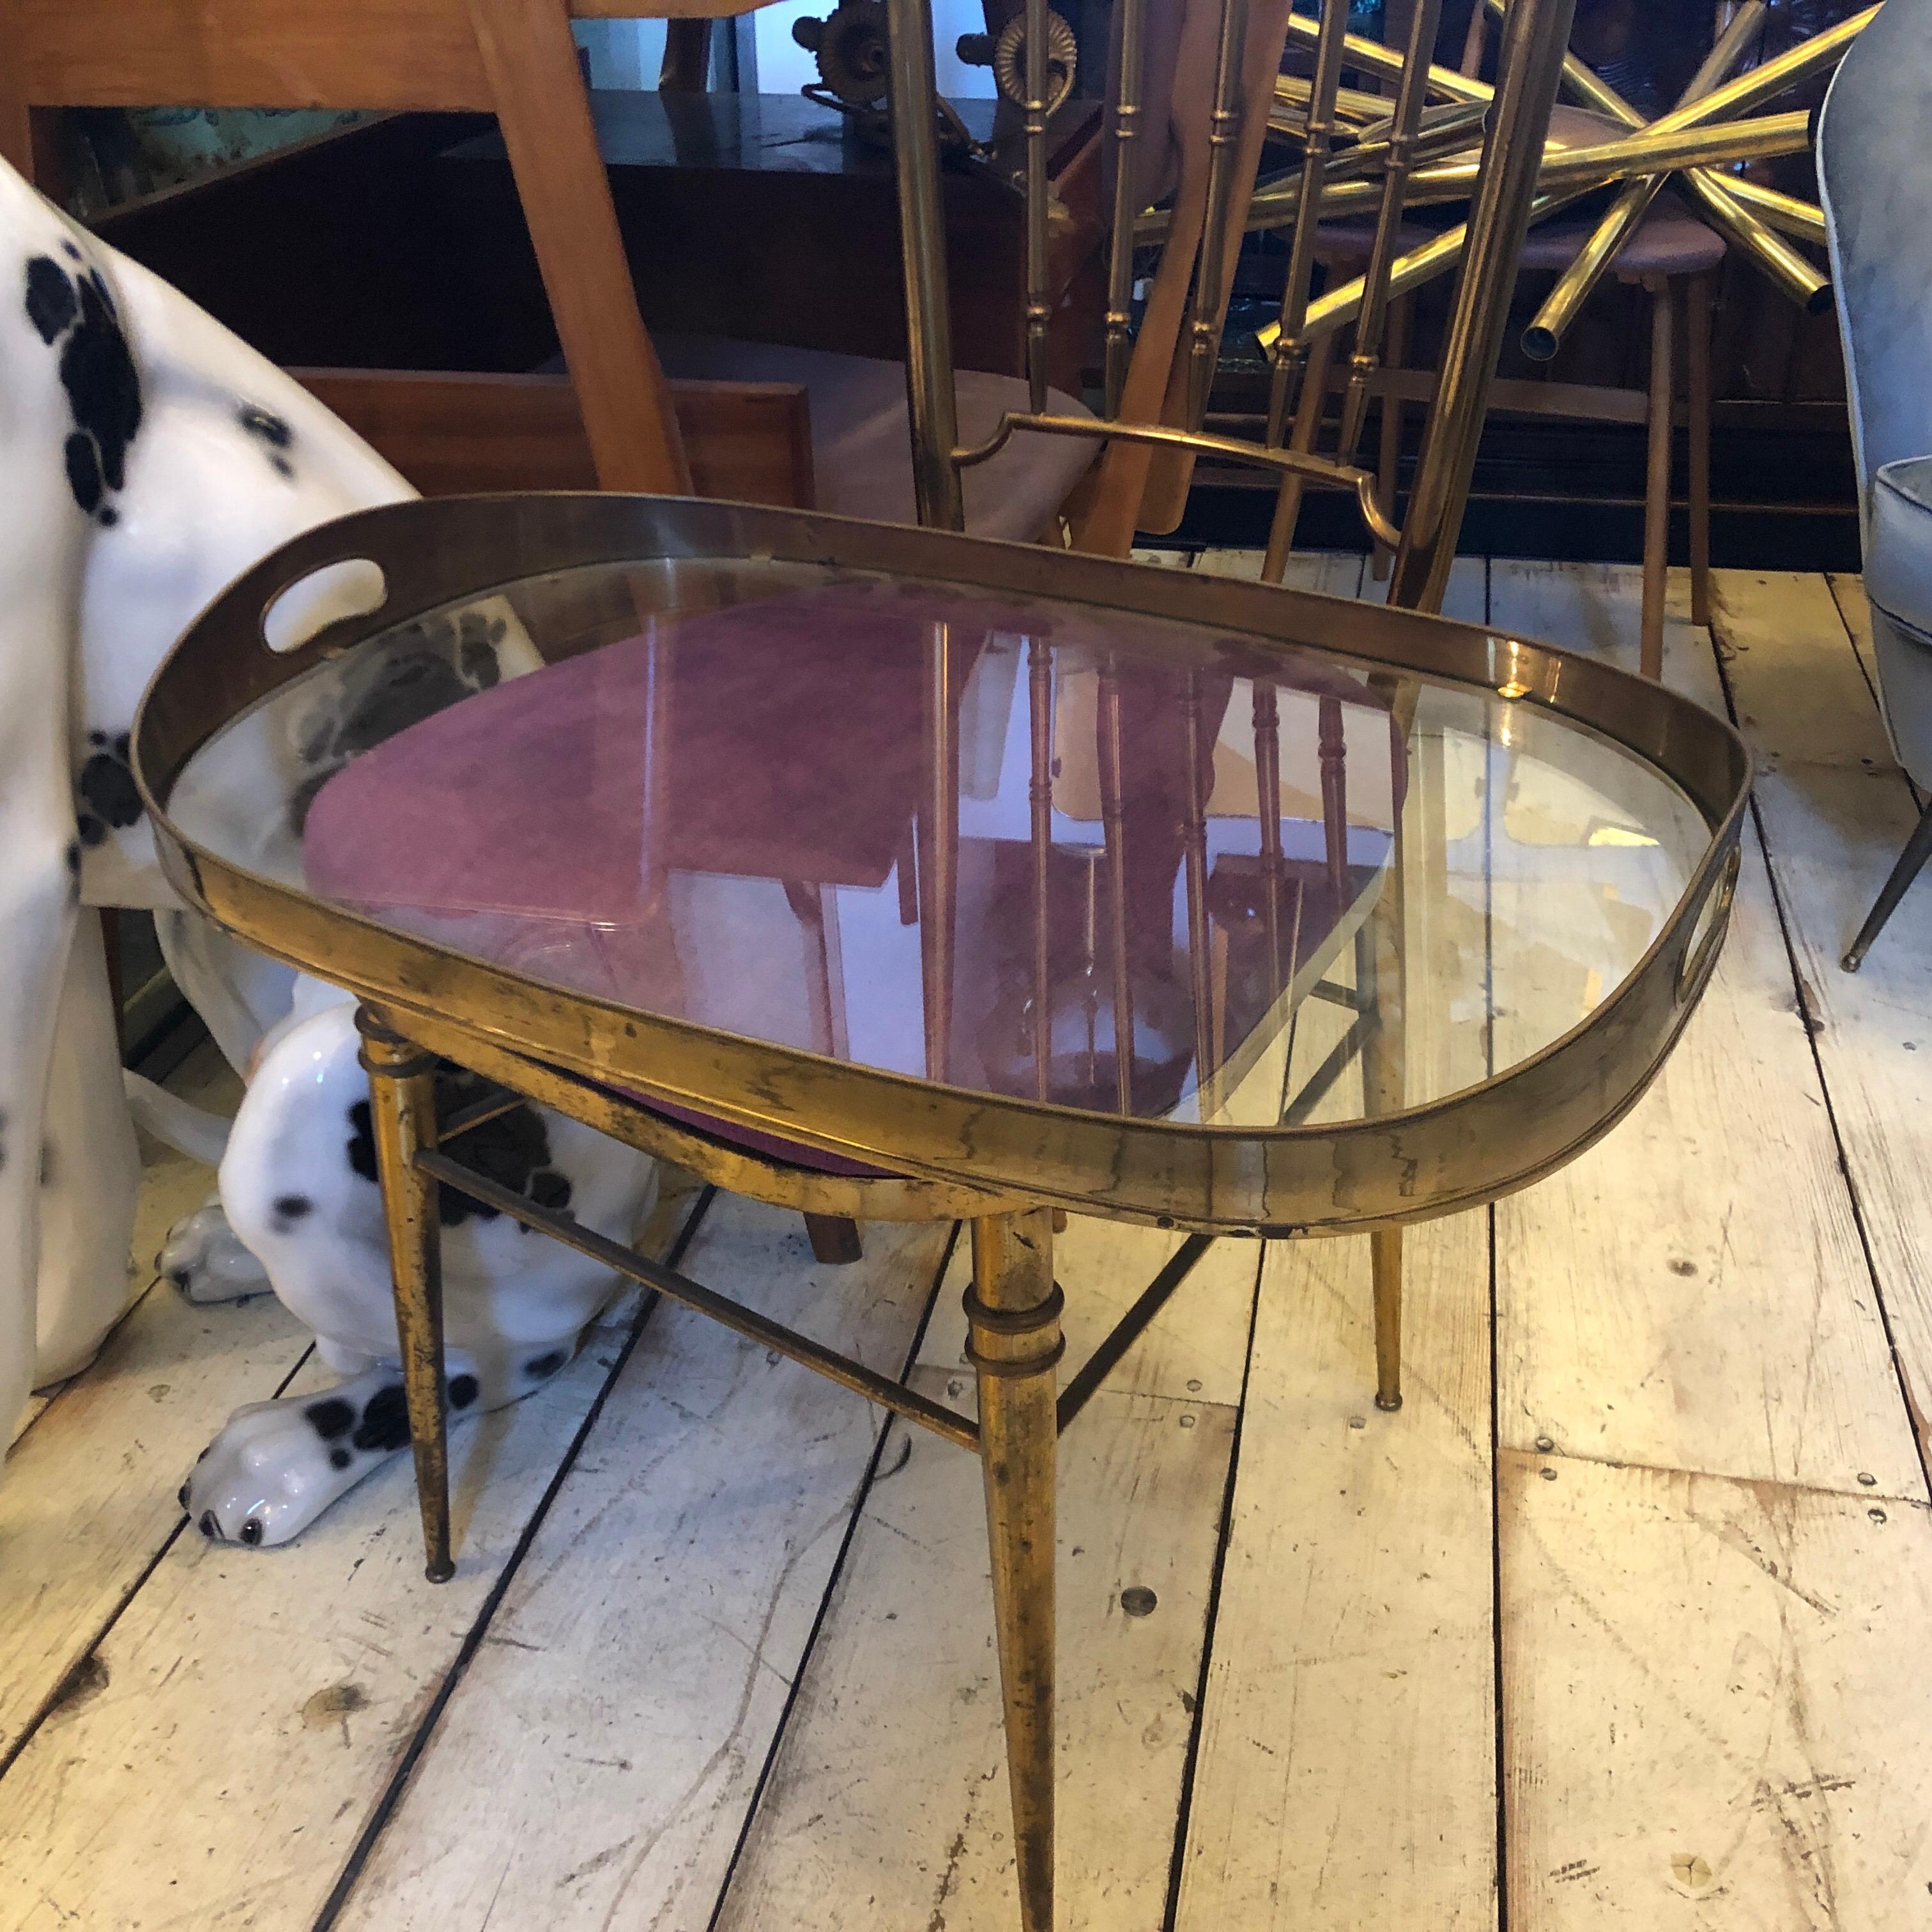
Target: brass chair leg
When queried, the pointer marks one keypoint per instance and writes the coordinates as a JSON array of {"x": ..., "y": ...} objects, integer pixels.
[
  {"x": 1013, "y": 1342},
  {"x": 402, "y": 1113},
  {"x": 1385, "y": 1266},
  {"x": 1657, "y": 479}
]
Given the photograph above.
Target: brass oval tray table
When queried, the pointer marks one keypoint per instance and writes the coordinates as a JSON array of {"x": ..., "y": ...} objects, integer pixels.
[{"x": 889, "y": 874}]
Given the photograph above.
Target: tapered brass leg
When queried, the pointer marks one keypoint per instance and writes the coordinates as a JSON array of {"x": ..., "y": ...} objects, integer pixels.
[
  {"x": 1381, "y": 985},
  {"x": 1012, "y": 1310},
  {"x": 1385, "y": 1265},
  {"x": 402, "y": 1113}
]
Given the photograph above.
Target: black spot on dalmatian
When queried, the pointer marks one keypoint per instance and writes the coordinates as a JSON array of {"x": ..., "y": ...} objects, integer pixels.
[
  {"x": 339, "y": 1458},
  {"x": 462, "y": 1390},
  {"x": 70, "y": 251},
  {"x": 541, "y": 1366},
  {"x": 385, "y": 1422},
  {"x": 513, "y": 1150},
  {"x": 264, "y": 423},
  {"x": 108, "y": 795},
  {"x": 83, "y": 471},
  {"x": 290, "y": 1208},
  {"x": 330, "y": 1418},
  {"x": 273, "y": 432},
  {"x": 52, "y": 303},
  {"x": 73, "y": 867},
  {"x": 104, "y": 388}
]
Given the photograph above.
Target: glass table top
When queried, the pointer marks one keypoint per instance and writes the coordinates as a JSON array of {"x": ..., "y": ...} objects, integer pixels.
[{"x": 978, "y": 838}]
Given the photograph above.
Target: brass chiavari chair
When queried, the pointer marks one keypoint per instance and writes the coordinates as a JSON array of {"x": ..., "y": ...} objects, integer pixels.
[{"x": 1187, "y": 130}]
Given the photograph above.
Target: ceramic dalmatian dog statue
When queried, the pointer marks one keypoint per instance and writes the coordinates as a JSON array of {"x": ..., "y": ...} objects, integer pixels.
[{"x": 147, "y": 456}]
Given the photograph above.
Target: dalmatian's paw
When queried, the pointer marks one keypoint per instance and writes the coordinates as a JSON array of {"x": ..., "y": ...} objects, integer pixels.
[
  {"x": 205, "y": 1259},
  {"x": 278, "y": 1465}
]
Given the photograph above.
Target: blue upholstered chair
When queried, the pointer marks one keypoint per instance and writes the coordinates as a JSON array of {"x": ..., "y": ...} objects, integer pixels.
[{"x": 1875, "y": 171}]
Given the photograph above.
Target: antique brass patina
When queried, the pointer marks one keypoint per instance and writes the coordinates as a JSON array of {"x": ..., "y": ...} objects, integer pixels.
[{"x": 1002, "y": 1160}]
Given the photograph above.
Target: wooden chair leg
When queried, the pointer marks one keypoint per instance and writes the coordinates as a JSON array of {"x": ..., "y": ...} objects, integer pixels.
[
  {"x": 1389, "y": 466},
  {"x": 835, "y": 1240},
  {"x": 545, "y": 119},
  {"x": 686, "y": 66},
  {"x": 1657, "y": 481},
  {"x": 1697, "y": 321}
]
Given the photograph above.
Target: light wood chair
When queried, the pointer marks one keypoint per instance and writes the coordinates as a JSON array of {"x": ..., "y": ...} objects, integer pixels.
[{"x": 514, "y": 58}]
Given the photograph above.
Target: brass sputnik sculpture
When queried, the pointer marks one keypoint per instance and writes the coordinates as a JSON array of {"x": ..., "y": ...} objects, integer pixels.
[{"x": 1362, "y": 155}]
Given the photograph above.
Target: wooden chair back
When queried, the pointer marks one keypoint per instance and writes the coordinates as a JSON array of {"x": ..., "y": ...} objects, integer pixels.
[{"x": 514, "y": 59}]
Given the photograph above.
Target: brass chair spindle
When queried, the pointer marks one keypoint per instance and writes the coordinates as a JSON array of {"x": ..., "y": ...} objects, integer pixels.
[
  {"x": 1224, "y": 137},
  {"x": 1290, "y": 351},
  {"x": 1039, "y": 310},
  {"x": 1371, "y": 326},
  {"x": 1113, "y": 831},
  {"x": 1040, "y": 798},
  {"x": 1128, "y": 113},
  {"x": 1200, "y": 924}
]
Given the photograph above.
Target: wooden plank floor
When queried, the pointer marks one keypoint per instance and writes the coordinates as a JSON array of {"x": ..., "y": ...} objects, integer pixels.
[{"x": 1619, "y": 1623}]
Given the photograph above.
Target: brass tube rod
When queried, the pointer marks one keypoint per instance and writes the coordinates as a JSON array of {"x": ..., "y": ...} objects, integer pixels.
[
  {"x": 1786, "y": 212},
  {"x": 1781, "y": 263},
  {"x": 1338, "y": 308},
  {"x": 1371, "y": 57},
  {"x": 1736, "y": 97},
  {"x": 1291, "y": 90},
  {"x": 1764, "y": 137},
  {"x": 702, "y": 1300},
  {"x": 1564, "y": 302},
  {"x": 1446, "y": 130}
]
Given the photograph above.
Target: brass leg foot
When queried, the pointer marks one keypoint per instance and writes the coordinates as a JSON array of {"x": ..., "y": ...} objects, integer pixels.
[
  {"x": 402, "y": 1112},
  {"x": 1385, "y": 1265},
  {"x": 1014, "y": 1340}
]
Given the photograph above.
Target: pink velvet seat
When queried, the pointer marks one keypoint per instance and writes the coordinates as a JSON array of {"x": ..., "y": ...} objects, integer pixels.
[{"x": 861, "y": 444}]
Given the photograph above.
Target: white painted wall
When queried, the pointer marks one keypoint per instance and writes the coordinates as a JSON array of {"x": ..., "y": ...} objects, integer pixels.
[{"x": 628, "y": 53}]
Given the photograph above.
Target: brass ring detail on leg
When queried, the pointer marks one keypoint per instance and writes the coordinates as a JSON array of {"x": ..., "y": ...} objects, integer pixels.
[
  {"x": 1014, "y": 1321},
  {"x": 998, "y": 1365},
  {"x": 396, "y": 1069}
]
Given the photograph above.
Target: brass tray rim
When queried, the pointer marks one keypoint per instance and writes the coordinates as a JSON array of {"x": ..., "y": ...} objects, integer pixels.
[{"x": 1087, "y": 1166}]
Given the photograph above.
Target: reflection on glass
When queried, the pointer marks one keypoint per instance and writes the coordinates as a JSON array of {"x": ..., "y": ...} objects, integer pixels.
[{"x": 1033, "y": 849}]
